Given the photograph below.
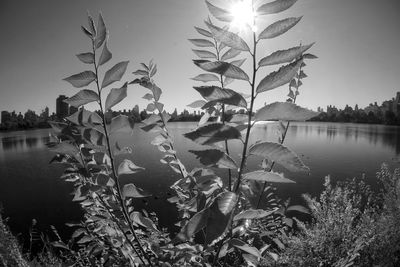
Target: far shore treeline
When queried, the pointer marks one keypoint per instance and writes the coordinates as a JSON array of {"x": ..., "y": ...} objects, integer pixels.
[{"x": 387, "y": 113}]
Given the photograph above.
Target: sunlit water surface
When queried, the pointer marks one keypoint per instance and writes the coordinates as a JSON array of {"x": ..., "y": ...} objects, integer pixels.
[{"x": 30, "y": 188}]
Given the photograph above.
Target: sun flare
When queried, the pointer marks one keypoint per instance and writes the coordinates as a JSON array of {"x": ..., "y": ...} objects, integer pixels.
[{"x": 243, "y": 15}]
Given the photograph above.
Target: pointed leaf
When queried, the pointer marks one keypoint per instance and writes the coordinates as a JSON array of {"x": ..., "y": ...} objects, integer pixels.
[
  {"x": 139, "y": 219},
  {"x": 212, "y": 133},
  {"x": 82, "y": 97},
  {"x": 253, "y": 214},
  {"x": 278, "y": 28},
  {"x": 197, "y": 104},
  {"x": 81, "y": 79},
  {"x": 223, "y": 68},
  {"x": 237, "y": 63},
  {"x": 152, "y": 119},
  {"x": 87, "y": 58},
  {"x": 92, "y": 27},
  {"x": 121, "y": 123},
  {"x": 194, "y": 225},
  {"x": 298, "y": 208},
  {"x": 284, "y": 111},
  {"x": 101, "y": 32},
  {"x": 203, "y": 32},
  {"x": 94, "y": 136},
  {"x": 269, "y": 177},
  {"x": 278, "y": 78},
  {"x": 130, "y": 190},
  {"x": 128, "y": 167},
  {"x": 284, "y": 56},
  {"x": 206, "y": 77},
  {"x": 148, "y": 96},
  {"x": 215, "y": 157},
  {"x": 275, "y": 7},
  {"x": 228, "y": 38},
  {"x": 219, "y": 13},
  {"x": 302, "y": 75},
  {"x": 204, "y": 54},
  {"x": 309, "y": 56},
  {"x": 115, "y": 73},
  {"x": 279, "y": 154},
  {"x": 245, "y": 247},
  {"x": 231, "y": 53},
  {"x": 217, "y": 94},
  {"x": 293, "y": 83},
  {"x": 115, "y": 96},
  {"x": 105, "y": 55},
  {"x": 151, "y": 107},
  {"x": 87, "y": 32},
  {"x": 85, "y": 117},
  {"x": 202, "y": 42}
]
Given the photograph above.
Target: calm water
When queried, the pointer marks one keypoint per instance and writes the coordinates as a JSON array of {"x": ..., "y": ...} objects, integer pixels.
[{"x": 31, "y": 188}]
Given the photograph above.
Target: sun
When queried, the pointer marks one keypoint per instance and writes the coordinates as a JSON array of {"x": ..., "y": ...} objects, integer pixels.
[{"x": 243, "y": 15}]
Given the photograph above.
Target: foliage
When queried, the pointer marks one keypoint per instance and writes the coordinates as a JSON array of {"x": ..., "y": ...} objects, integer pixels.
[{"x": 227, "y": 223}]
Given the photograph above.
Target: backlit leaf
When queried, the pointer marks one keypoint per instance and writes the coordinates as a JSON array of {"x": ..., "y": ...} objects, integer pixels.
[
  {"x": 284, "y": 56},
  {"x": 197, "y": 104},
  {"x": 284, "y": 111},
  {"x": 82, "y": 97},
  {"x": 223, "y": 68},
  {"x": 87, "y": 58},
  {"x": 202, "y": 42},
  {"x": 279, "y": 154},
  {"x": 94, "y": 136},
  {"x": 237, "y": 63},
  {"x": 278, "y": 28},
  {"x": 215, "y": 157},
  {"x": 226, "y": 201},
  {"x": 153, "y": 118},
  {"x": 219, "y": 13},
  {"x": 139, "y": 219},
  {"x": 206, "y": 77},
  {"x": 228, "y": 38},
  {"x": 278, "y": 78},
  {"x": 269, "y": 177},
  {"x": 298, "y": 208},
  {"x": 151, "y": 107},
  {"x": 203, "y": 32},
  {"x": 81, "y": 79},
  {"x": 231, "y": 53},
  {"x": 114, "y": 74},
  {"x": 218, "y": 94},
  {"x": 121, "y": 123},
  {"x": 275, "y": 7},
  {"x": 101, "y": 32},
  {"x": 105, "y": 55},
  {"x": 104, "y": 180},
  {"x": 212, "y": 133},
  {"x": 309, "y": 56},
  {"x": 194, "y": 225},
  {"x": 204, "y": 53},
  {"x": 253, "y": 214},
  {"x": 115, "y": 96},
  {"x": 128, "y": 167},
  {"x": 130, "y": 190},
  {"x": 148, "y": 96}
]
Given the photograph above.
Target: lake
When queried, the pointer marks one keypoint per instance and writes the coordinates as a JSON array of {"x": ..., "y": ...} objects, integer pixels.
[{"x": 30, "y": 188}]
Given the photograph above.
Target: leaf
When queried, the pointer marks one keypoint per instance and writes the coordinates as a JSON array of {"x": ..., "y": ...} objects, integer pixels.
[
  {"x": 91, "y": 25},
  {"x": 130, "y": 190},
  {"x": 105, "y": 55},
  {"x": 194, "y": 225},
  {"x": 253, "y": 214},
  {"x": 101, "y": 32},
  {"x": 231, "y": 53},
  {"x": 275, "y": 7},
  {"x": 64, "y": 148},
  {"x": 219, "y": 13},
  {"x": 279, "y": 154},
  {"x": 284, "y": 56},
  {"x": 204, "y": 118},
  {"x": 298, "y": 208},
  {"x": 104, "y": 180},
  {"x": 115, "y": 96},
  {"x": 197, "y": 104},
  {"x": 278, "y": 78},
  {"x": 293, "y": 83},
  {"x": 206, "y": 77},
  {"x": 220, "y": 214},
  {"x": 87, "y": 58},
  {"x": 284, "y": 111},
  {"x": 202, "y": 42},
  {"x": 278, "y": 28},
  {"x": 218, "y": 94},
  {"x": 223, "y": 68},
  {"x": 204, "y": 54},
  {"x": 237, "y": 63},
  {"x": 245, "y": 247},
  {"x": 121, "y": 123},
  {"x": 215, "y": 157},
  {"x": 94, "y": 136},
  {"x": 270, "y": 177},
  {"x": 87, "y": 32},
  {"x": 115, "y": 73},
  {"x": 239, "y": 118},
  {"x": 228, "y": 38},
  {"x": 81, "y": 79},
  {"x": 309, "y": 56},
  {"x": 84, "y": 117},
  {"x": 128, "y": 167},
  {"x": 151, "y": 107},
  {"x": 212, "y": 133},
  {"x": 153, "y": 71},
  {"x": 82, "y": 97},
  {"x": 138, "y": 218},
  {"x": 302, "y": 75},
  {"x": 203, "y": 32}
]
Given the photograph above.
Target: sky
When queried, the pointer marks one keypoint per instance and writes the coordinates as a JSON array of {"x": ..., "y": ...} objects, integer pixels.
[{"x": 357, "y": 44}]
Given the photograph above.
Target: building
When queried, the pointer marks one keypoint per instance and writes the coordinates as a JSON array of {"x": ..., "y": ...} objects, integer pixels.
[{"x": 61, "y": 107}]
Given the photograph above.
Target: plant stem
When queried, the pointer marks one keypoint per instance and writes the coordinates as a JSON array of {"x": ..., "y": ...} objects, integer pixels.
[{"x": 117, "y": 182}]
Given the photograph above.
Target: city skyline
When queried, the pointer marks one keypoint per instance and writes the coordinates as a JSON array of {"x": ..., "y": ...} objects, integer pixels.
[{"x": 356, "y": 42}]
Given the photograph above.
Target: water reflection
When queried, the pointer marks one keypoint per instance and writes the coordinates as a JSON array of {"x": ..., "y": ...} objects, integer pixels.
[{"x": 23, "y": 143}]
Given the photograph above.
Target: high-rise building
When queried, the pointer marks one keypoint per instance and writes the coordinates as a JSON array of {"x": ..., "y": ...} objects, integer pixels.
[{"x": 61, "y": 107}]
